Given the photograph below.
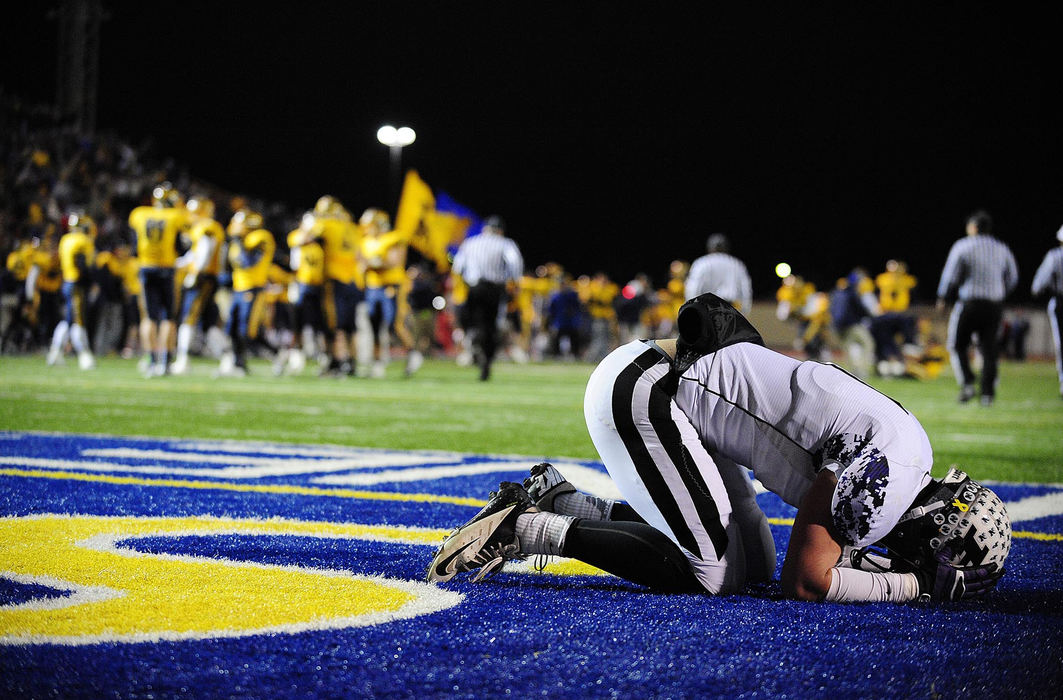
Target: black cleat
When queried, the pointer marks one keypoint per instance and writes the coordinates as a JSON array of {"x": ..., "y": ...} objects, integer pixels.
[
  {"x": 544, "y": 484},
  {"x": 486, "y": 541}
]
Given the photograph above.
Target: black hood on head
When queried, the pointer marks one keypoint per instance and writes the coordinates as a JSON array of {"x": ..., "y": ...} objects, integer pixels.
[{"x": 707, "y": 323}]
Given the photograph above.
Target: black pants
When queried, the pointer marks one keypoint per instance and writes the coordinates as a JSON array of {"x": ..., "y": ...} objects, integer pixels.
[
  {"x": 481, "y": 316},
  {"x": 981, "y": 317}
]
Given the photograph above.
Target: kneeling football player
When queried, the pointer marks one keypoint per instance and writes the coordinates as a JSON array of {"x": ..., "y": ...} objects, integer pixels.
[{"x": 675, "y": 423}]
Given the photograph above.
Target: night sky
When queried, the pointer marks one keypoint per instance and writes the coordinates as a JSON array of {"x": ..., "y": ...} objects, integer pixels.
[{"x": 612, "y": 136}]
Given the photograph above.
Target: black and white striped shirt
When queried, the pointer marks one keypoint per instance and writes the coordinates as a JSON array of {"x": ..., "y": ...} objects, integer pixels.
[
  {"x": 1049, "y": 277},
  {"x": 978, "y": 267},
  {"x": 723, "y": 275},
  {"x": 488, "y": 257}
]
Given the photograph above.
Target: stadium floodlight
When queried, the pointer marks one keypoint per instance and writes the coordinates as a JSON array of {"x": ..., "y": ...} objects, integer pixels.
[
  {"x": 395, "y": 140},
  {"x": 782, "y": 270}
]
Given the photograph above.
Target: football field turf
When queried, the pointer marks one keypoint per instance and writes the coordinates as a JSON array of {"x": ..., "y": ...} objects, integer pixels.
[{"x": 268, "y": 537}]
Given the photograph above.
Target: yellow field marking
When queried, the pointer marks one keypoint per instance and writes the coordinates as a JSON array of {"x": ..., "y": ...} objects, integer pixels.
[
  {"x": 117, "y": 594},
  {"x": 1043, "y": 536},
  {"x": 285, "y": 489}
]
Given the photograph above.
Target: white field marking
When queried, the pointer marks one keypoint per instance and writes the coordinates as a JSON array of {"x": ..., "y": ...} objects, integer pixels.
[
  {"x": 298, "y": 465},
  {"x": 76, "y": 593},
  {"x": 1034, "y": 507},
  {"x": 586, "y": 479},
  {"x": 296, "y": 450},
  {"x": 275, "y": 468},
  {"x": 976, "y": 437}
]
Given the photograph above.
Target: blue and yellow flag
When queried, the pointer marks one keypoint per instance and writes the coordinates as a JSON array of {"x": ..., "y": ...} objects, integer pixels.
[{"x": 435, "y": 225}]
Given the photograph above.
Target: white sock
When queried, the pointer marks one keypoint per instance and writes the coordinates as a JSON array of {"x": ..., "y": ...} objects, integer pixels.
[
  {"x": 62, "y": 330},
  {"x": 853, "y": 585},
  {"x": 542, "y": 533},
  {"x": 184, "y": 340},
  {"x": 78, "y": 339},
  {"x": 583, "y": 505}
]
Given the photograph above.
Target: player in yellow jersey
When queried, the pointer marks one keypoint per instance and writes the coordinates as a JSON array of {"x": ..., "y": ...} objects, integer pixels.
[
  {"x": 307, "y": 261},
  {"x": 18, "y": 330},
  {"x": 43, "y": 285},
  {"x": 77, "y": 252},
  {"x": 600, "y": 301},
  {"x": 201, "y": 264},
  {"x": 895, "y": 329},
  {"x": 895, "y": 286},
  {"x": 344, "y": 281},
  {"x": 157, "y": 230},
  {"x": 382, "y": 255},
  {"x": 251, "y": 249}
]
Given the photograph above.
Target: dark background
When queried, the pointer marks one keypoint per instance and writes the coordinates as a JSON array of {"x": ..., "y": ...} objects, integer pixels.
[{"x": 611, "y": 136}]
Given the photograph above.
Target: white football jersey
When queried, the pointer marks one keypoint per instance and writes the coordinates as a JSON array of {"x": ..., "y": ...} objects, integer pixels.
[{"x": 787, "y": 420}]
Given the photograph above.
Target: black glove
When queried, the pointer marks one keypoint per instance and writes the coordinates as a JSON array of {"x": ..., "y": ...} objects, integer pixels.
[{"x": 941, "y": 581}]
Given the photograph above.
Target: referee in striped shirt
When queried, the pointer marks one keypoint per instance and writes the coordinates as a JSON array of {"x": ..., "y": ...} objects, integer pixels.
[
  {"x": 979, "y": 273},
  {"x": 1049, "y": 282},
  {"x": 720, "y": 273},
  {"x": 487, "y": 263}
]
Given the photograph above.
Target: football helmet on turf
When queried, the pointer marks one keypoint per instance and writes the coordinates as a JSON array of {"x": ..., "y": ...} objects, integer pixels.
[{"x": 955, "y": 520}]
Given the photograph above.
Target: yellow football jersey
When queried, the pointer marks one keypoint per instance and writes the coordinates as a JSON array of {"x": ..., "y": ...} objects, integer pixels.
[
  {"x": 20, "y": 260},
  {"x": 341, "y": 241},
  {"x": 311, "y": 270},
  {"x": 894, "y": 290},
  {"x": 384, "y": 257},
  {"x": 157, "y": 230},
  {"x": 255, "y": 275},
  {"x": 277, "y": 288},
  {"x": 213, "y": 229},
  {"x": 50, "y": 270},
  {"x": 72, "y": 246},
  {"x": 600, "y": 297}
]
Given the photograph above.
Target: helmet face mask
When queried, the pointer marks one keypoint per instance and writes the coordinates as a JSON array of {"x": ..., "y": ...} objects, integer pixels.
[{"x": 955, "y": 518}]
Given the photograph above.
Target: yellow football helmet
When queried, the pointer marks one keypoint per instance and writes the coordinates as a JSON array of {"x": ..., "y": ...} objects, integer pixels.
[
  {"x": 165, "y": 196},
  {"x": 82, "y": 223},
  {"x": 201, "y": 206},
  {"x": 243, "y": 222},
  {"x": 376, "y": 219},
  {"x": 329, "y": 206}
]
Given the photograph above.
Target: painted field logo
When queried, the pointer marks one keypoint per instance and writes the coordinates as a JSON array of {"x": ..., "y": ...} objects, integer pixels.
[{"x": 111, "y": 592}]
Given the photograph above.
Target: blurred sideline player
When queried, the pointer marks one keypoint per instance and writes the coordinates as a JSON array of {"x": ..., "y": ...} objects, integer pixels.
[
  {"x": 344, "y": 281},
  {"x": 251, "y": 249},
  {"x": 676, "y": 422},
  {"x": 43, "y": 288},
  {"x": 19, "y": 329},
  {"x": 77, "y": 252},
  {"x": 382, "y": 254},
  {"x": 157, "y": 230},
  {"x": 202, "y": 264},
  {"x": 307, "y": 261},
  {"x": 1048, "y": 281}
]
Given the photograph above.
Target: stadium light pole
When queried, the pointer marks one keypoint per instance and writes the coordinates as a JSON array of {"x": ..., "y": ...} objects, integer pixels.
[{"x": 395, "y": 140}]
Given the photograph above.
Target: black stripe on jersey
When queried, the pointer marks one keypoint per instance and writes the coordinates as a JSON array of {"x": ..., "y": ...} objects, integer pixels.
[
  {"x": 623, "y": 393},
  {"x": 660, "y": 411}
]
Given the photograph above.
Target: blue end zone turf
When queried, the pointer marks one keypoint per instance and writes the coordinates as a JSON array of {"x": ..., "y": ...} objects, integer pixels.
[{"x": 193, "y": 568}]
